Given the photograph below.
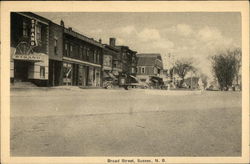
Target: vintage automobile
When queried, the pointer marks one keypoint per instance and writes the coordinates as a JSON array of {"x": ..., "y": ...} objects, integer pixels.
[{"x": 109, "y": 82}]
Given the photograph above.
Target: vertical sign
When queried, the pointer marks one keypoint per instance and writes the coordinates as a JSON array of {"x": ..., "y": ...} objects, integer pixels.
[{"x": 33, "y": 33}]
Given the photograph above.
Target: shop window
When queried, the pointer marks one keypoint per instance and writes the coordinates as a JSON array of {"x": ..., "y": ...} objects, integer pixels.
[
  {"x": 55, "y": 46},
  {"x": 42, "y": 72},
  {"x": 25, "y": 28}
]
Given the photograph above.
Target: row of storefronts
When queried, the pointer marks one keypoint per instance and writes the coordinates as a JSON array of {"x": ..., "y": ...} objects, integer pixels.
[{"x": 48, "y": 54}]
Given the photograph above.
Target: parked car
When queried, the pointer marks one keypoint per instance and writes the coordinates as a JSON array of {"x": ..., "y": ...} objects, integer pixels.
[{"x": 109, "y": 82}]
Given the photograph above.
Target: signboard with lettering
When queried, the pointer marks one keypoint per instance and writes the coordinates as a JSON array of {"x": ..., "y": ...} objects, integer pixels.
[
  {"x": 35, "y": 57},
  {"x": 33, "y": 33}
]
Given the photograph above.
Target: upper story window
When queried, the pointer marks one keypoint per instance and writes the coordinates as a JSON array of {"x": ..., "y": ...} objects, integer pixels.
[
  {"x": 81, "y": 52},
  {"x": 55, "y": 46},
  {"x": 98, "y": 57},
  {"x": 95, "y": 56},
  {"x": 66, "y": 49},
  {"x": 84, "y": 52},
  {"x": 25, "y": 28},
  {"x": 143, "y": 70},
  {"x": 155, "y": 70},
  {"x": 87, "y": 54},
  {"x": 71, "y": 48}
]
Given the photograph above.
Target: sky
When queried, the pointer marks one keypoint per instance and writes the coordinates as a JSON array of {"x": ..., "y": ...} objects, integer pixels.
[{"x": 183, "y": 35}]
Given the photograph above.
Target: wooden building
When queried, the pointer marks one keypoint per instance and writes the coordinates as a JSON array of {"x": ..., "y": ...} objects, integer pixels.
[{"x": 149, "y": 66}]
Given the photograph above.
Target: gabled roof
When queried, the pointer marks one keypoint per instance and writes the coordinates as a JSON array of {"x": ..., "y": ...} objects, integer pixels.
[
  {"x": 146, "y": 61},
  {"x": 149, "y": 55}
]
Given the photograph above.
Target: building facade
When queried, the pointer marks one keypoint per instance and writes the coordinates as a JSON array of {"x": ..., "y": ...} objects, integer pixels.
[
  {"x": 55, "y": 54},
  {"x": 128, "y": 64},
  {"x": 117, "y": 58},
  {"x": 149, "y": 67},
  {"x": 29, "y": 48},
  {"x": 82, "y": 60},
  {"x": 111, "y": 64}
]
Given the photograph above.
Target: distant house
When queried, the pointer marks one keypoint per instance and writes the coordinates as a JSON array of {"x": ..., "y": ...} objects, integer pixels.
[{"x": 149, "y": 66}]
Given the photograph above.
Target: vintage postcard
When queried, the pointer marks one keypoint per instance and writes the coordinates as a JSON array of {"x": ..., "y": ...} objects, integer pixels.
[{"x": 124, "y": 82}]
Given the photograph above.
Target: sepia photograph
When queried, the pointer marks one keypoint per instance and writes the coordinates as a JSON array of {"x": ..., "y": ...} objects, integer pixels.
[{"x": 129, "y": 87}]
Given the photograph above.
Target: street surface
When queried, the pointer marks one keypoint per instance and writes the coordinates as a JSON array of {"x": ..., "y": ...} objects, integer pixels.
[{"x": 98, "y": 122}]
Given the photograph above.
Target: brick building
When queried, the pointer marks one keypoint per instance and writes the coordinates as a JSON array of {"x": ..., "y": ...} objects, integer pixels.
[
  {"x": 111, "y": 64},
  {"x": 82, "y": 59},
  {"x": 128, "y": 63},
  {"x": 55, "y": 54}
]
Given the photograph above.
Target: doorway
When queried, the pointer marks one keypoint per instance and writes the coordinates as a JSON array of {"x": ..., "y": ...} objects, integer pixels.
[{"x": 21, "y": 69}]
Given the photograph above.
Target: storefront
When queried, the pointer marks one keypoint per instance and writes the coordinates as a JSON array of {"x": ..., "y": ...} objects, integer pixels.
[
  {"x": 81, "y": 74},
  {"x": 67, "y": 73},
  {"x": 29, "y": 67}
]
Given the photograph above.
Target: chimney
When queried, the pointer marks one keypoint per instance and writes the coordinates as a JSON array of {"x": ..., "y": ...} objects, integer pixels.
[
  {"x": 70, "y": 28},
  {"x": 112, "y": 42},
  {"x": 62, "y": 23},
  {"x": 100, "y": 40}
]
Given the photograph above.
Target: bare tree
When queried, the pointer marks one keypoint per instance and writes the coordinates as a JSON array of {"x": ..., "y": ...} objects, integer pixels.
[
  {"x": 182, "y": 67},
  {"x": 226, "y": 67}
]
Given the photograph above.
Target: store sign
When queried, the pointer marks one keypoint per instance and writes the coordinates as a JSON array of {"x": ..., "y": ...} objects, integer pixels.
[
  {"x": 35, "y": 57},
  {"x": 33, "y": 33}
]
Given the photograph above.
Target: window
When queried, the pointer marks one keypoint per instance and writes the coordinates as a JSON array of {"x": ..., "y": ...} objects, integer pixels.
[
  {"x": 55, "y": 46},
  {"x": 71, "y": 50},
  {"x": 98, "y": 57},
  {"x": 87, "y": 53},
  {"x": 42, "y": 72},
  {"x": 66, "y": 49},
  {"x": 132, "y": 70},
  {"x": 25, "y": 28},
  {"x": 84, "y": 53},
  {"x": 80, "y": 52},
  {"x": 155, "y": 70},
  {"x": 94, "y": 56},
  {"x": 142, "y": 69}
]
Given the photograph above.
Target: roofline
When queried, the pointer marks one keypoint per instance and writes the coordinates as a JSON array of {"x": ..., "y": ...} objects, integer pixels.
[
  {"x": 34, "y": 16},
  {"x": 82, "y": 37}
]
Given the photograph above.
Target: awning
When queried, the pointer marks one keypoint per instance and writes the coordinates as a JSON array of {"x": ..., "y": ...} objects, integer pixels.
[
  {"x": 105, "y": 74},
  {"x": 135, "y": 78},
  {"x": 108, "y": 74},
  {"x": 111, "y": 75},
  {"x": 116, "y": 73},
  {"x": 156, "y": 79}
]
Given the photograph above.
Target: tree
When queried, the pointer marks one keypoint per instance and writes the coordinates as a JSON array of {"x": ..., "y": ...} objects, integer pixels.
[
  {"x": 204, "y": 79},
  {"x": 225, "y": 67},
  {"x": 182, "y": 67}
]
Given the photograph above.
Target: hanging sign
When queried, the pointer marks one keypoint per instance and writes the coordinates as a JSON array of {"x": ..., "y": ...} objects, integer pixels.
[{"x": 33, "y": 33}]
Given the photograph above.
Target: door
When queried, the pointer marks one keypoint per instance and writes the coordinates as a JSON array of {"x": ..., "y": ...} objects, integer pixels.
[{"x": 21, "y": 69}]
